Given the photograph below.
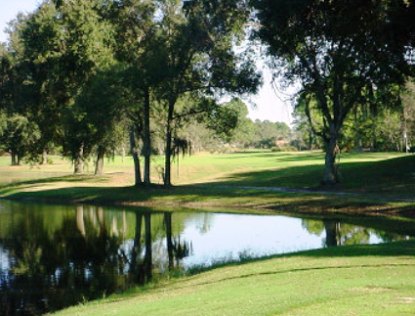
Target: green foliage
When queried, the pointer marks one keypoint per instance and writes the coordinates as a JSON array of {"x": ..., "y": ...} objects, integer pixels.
[
  {"x": 96, "y": 118},
  {"x": 269, "y": 134},
  {"x": 345, "y": 54},
  {"x": 19, "y": 135}
]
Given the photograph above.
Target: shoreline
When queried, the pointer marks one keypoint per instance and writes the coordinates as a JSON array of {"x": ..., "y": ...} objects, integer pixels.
[{"x": 266, "y": 200}]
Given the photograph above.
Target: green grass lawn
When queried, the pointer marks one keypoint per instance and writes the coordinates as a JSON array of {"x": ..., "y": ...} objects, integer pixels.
[
  {"x": 356, "y": 280},
  {"x": 379, "y": 181}
]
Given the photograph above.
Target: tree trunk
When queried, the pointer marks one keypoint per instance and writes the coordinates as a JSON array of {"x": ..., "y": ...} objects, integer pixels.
[
  {"x": 136, "y": 158},
  {"x": 79, "y": 161},
  {"x": 331, "y": 175},
  {"x": 99, "y": 165},
  {"x": 44, "y": 160},
  {"x": 147, "y": 137},
  {"x": 168, "y": 149},
  {"x": 310, "y": 140},
  {"x": 169, "y": 240},
  {"x": 15, "y": 159},
  {"x": 358, "y": 139}
]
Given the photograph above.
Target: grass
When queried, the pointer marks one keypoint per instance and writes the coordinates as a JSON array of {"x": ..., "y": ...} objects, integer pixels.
[
  {"x": 374, "y": 183},
  {"x": 355, "y": 280}
]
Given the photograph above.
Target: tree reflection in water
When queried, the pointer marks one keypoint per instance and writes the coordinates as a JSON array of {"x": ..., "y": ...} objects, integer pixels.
[
  {"x": 83, "y": 256},
  {"x": 337, "y": 234},
  {"x": 53, "y": 257}
]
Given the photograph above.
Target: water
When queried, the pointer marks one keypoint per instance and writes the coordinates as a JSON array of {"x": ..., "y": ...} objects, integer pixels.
[{"x": 56, "y": 256}]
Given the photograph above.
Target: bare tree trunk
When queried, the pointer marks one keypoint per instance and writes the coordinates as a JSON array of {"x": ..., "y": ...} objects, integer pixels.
[
  {"x": 99, "y": 165},
  {"x": 44, "y": 160},
  {"x": 15, "y": 159},
  {"x": 358, "y": 139},
  {"x": 331, "y": 175},
  {"x": 168, "y": 149},
  {"x": 79, "y": 161},
  {"x": 147, "y": 137},
  {"x": 136, "y": 158}
]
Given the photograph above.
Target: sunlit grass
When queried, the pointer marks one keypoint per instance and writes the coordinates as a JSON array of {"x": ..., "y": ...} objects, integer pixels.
[
  {"x": 357, "y": 280},
  {"x": 243, "y": 180}
]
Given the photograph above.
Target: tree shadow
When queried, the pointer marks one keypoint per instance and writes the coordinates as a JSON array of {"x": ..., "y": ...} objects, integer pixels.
[
  {"x": 395, "y": 175},
  {"x": 68, "y": 178},
  {"x": 379, "y": 182}
]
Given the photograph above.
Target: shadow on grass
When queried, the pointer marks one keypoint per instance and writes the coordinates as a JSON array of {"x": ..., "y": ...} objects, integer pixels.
[
  {"x": 68, "y": 178},
  {"x": 391, "y": 176},
  {"x": 395, "y": 176},
  {"x": 278, "y": 157}
]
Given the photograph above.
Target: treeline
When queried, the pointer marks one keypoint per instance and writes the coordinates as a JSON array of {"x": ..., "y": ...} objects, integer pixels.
[
  {"x": 242, "y": 134},
  {"x": 83, "y": 77}
]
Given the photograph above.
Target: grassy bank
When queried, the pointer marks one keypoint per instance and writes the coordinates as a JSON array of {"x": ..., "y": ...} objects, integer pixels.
[
  {"x": 356, "y": 280},
  {"x": 374, "y": 182}
]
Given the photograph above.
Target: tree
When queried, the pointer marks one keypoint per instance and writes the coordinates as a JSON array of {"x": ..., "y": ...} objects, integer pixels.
[
  {"x": 268, "y": 134},
  {"x": 198, "y": 39},
  {"x": 18, "y": 133},
  {"x": 18, "y": 137},
  {"x": 408, "y": 115},
  {"x": 243, "y": 132},
  {"x": 138, "y": 47},
  {"x": 102, "y": 106},
  {"x": 88, "y": 48},
  {"x": 341, "y": 52},
  {"x": 40, "y": 38}
]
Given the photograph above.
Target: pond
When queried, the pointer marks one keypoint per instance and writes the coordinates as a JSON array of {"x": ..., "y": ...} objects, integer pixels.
[{"x": 56, "y": 256}]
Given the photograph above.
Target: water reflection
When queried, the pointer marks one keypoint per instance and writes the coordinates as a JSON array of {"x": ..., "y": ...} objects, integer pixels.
[
  {"x": 337, "y": 234},
  {"x": 52, "y": 257}
]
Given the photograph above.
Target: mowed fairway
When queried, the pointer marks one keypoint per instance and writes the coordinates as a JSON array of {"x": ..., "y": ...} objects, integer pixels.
[
  {"x": 359, "y": 280},
  {"x": 244, "y": 179},
  {"x": 261, "y": 168}
]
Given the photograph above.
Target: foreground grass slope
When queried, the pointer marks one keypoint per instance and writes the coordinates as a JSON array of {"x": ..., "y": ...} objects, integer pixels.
[
  {"x": 357, "y": 280},
  {"x": 383, "y": 181}
]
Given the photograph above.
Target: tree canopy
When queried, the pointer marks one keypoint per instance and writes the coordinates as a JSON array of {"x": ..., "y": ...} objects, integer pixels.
[{"x": 344, "y": 53}]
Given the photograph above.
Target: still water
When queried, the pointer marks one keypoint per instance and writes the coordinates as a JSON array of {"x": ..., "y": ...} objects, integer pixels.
[{"x": 56, "y": 256}]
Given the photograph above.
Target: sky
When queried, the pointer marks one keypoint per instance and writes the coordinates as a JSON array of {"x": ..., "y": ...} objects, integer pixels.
[{"x": 268, "y": 104}]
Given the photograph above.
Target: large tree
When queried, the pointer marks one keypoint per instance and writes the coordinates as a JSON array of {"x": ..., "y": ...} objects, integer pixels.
[
  {"x": 342, "y": 52},
  {"x": 57, "y": 49},
  {"x": 197, "y": 41},
  {"x": 137, "y": 47}
]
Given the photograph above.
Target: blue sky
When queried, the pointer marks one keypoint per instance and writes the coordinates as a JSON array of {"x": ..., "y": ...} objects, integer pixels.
[{"x": 269, "y": 104}]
